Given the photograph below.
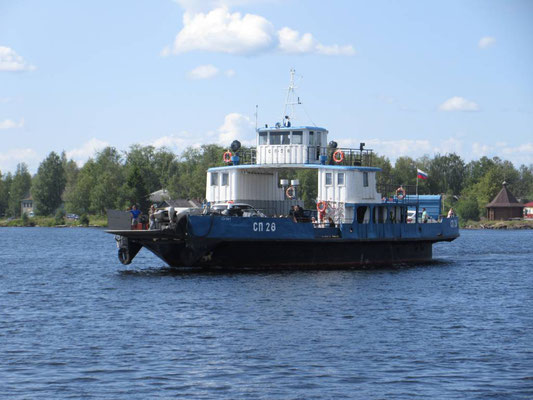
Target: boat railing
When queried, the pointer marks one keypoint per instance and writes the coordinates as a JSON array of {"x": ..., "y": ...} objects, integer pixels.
[
  {"x": 319, "y": 155},
  {"x": 349, "y": 156},
  {"x": 398, "y": 193}
]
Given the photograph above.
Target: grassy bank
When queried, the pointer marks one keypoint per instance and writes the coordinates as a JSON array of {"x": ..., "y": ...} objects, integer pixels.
[
  {"x": 94, "y": 220},
  {"x": 498, "y": 225}
]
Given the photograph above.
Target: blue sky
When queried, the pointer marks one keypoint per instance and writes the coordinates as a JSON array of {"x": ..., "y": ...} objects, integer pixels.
[{"x": 408, "y": 78}]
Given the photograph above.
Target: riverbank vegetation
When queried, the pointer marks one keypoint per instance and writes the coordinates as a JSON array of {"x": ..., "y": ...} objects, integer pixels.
[{"x": 115, "y": 179}]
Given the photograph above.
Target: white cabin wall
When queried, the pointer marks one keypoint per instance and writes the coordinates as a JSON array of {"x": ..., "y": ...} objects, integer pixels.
[{"x": 352, "y": 191}]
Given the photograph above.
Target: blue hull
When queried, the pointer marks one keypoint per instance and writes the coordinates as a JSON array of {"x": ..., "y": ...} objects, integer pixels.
[{"x": 236, "y": 242}]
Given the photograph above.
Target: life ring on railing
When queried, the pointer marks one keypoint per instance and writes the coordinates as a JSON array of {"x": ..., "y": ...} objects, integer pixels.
[
  {"x": 321, "y": 206},
  {"x": 338, "y": 156},
  {"x": 227, "y": 156},
  {"x": 290, "y": 192},
  {"x": 400, "y": 193}
]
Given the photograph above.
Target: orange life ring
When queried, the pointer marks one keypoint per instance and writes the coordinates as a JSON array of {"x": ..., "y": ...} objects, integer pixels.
[
  {"x": 321, "y": 206},
  {"x": 338, "y": 156},
  {"x": 290, "y": 192},
  {"x": 400, "y": 193},
  {"x": 227, "y": 156}
]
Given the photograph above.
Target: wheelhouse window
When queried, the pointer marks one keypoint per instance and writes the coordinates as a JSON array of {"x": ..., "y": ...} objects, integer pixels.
[
  {"x": 263, "y": 138},
  {"x": 329, "y": 179},
  {"x": 297, "y": 137},
  {"x": 225, "y": 179},
  {"x": 340, "y": 178},
  {"x": 275, "y": 138},
  {"x": 317, "y": 139},
  {"x": 365, "y": 179},
  {"x": 311, "y": 138},
  {"x": 285, "y": 138},
  {"x": 214, "y": 178}
]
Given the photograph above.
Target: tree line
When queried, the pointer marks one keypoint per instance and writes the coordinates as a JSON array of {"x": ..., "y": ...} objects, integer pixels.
[{"x": 115, "y": 179}]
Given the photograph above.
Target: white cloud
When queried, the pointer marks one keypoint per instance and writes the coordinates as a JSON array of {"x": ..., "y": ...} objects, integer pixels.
[
  {"x": 486, "y": 42},
  {"x": 236, "y": 127},
  {"x": 526, "y": 148},
  {"x": 223, "y": 32},
  {"x": 178, "y": 142},
  {"x": 229, "y": 73},
  {"x": 451, "y": 145},
  {"x": 9, "y": 124},
  {"x": 206, "y": 5},
  {"x": 86, "y": 151},
  {"x": 521, "y": 154},
  {"x": 457, "y": 103},
  {"x": 392, "y": 148},
  {"x": 335, "y": 50},
  {"x": 11, "y": 61},
  {"x": 203, "y": 72},
  {"x": 10, "y": 158},
  {"x": 480, "y": 149}
]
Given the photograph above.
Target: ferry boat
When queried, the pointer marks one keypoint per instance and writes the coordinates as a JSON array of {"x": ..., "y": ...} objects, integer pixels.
[{"x": 253, "y": 215}]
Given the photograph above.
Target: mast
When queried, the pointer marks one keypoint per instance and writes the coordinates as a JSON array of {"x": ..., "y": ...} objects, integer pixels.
[{"x": 291, "y": 99}]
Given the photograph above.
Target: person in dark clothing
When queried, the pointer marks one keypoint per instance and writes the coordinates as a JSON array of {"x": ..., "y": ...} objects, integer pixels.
[{"x": 298, "y": 213}]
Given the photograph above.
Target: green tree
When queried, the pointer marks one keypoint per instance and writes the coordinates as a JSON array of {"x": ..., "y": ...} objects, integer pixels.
[
  {"x": 108, "y": 177},
  {"x": 49, "y": 185},
  {"x": 18, "y": 189},
  {"x": 468, "y": 209},
  {"x": 446, "y": 174},
  {"x": 78, "y": 196},
  {"x": 135, "y": 182},
  {"x": 385, "y": 176},
  {"x": 5, "y": 184},
  {"x": 404, "y": 173}
]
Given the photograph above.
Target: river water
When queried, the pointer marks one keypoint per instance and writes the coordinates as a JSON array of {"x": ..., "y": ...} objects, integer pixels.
[{"x": 74, "y": 323}]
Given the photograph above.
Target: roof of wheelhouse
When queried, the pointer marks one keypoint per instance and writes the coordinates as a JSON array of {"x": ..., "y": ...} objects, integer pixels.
[
  {"x": 291, "y": 128},
  {"x": 289, "y": 166}
]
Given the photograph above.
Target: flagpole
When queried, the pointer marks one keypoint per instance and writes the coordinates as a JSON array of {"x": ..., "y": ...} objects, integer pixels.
[{"x": 417, "y": 184}]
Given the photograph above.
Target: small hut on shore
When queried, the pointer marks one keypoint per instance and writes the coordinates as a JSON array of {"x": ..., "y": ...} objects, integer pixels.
[{"x": 504, "y": 206}]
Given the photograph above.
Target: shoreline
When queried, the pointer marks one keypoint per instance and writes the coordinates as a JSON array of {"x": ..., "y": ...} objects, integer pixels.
[{"x": 498, "y": 225}]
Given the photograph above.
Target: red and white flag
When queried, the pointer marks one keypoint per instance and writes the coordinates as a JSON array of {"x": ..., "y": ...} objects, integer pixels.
[{"x": 421, "y": 174}]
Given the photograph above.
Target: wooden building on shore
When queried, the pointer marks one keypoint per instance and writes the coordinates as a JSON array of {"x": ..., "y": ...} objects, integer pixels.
[{"x": 504, "y": 206}]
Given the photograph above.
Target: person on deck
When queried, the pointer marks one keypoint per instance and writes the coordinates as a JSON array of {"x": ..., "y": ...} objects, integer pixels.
[
  {"x": 451, "y": 213},
  {"x": 425, "y": 216},
  {"x": 151, "y": 217},
  {"x": 135, "y": 213},
  {"x": 297, "y": 213}
]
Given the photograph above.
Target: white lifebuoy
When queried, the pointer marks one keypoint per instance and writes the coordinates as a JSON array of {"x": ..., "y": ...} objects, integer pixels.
[
  {"x": 290, "y": 192},
  {"x": 340, "y": 157},
  {"x": 227, "y": 156}
]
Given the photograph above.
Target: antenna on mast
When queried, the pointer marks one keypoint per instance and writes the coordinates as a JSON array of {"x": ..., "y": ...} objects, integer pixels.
[
  {"x": 256, "y": 108},
  {"x": 291, "y": 100}
]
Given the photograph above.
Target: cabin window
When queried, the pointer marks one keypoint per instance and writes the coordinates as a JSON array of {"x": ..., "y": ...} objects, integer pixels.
[
  {"x": 340, "y": 178},
  {"x": 214, "y": 179},
  {"x": 275, "y": 138},
  {"x": 365, "y": 179},
  {"x": 263, "y": 138},
  {"x": 317, "y": 139},
  {"x": 379, "y": 214},
  {"x": 329, "y": 179},
  {"x": 225, "y": 178},
  {"x": 392, "y": 215},
  {"x": 311, "y": 138},
  {"x": 297, "y": 137},
  {"x": 285, "y": 138},
  {"x": 362, "y": 215}
]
